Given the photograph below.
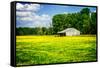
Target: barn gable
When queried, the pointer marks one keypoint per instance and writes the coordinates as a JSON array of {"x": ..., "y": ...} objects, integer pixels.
[{"x": 69, "y": 32}]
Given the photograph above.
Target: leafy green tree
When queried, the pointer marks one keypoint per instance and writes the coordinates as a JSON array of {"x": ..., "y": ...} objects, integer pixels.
[
  {"x": 82, "y": 21},
  {"x": 85, "y": 11},
  {"x": 93, "y": 23},
  {"x": 58, "y": 22}
]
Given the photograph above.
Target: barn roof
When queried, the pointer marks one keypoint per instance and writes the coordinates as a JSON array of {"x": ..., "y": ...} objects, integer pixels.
[{"x": 69, "y": 30}]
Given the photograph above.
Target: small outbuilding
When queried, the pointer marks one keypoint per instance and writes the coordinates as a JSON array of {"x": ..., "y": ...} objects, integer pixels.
[{"x": 69, "y": 32}]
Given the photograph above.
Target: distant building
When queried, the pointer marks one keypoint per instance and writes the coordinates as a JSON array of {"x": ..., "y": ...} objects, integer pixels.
[{"x": 69, "y": 32}]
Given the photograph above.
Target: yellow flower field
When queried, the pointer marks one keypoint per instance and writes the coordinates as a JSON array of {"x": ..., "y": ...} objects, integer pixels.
[{"x": 32, "y": 50}]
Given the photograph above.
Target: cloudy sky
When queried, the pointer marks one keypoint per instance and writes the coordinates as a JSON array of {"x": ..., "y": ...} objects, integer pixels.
[{"x": 40, "y": 15}]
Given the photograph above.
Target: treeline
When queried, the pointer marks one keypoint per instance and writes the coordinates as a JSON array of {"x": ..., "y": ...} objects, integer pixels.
[
  {"x": 84, "y": 21},
  {"x": 34, "y": 31}
]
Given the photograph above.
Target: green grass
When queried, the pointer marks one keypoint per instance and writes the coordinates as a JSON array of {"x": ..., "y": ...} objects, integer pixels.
[{"x": 52, "y": 49}]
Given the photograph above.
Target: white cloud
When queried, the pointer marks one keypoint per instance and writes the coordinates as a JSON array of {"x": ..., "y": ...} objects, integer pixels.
[
  {"x": 31, "y": 17},
  {"x": 19, "y": 6},
  {"x": 45, "y": 16},
  {"x": 94, "y": 11},
  {"x": 36, "y": 20},
  {"x": 65, "y": 12},
  {"x": 28, "y": 7},
  {"x": 24, "y": 19},
  {"x": 23, "y": 13},
  {"x": 42, "y": 17},
  {"x": 44, "y": 20}
]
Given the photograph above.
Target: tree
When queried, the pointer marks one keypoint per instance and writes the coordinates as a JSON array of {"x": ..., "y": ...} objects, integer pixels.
[
  {"x": 93, "y": 23},
  {"x": 80, "y": 20},
  {"x": 58, "y": 22},
  {"x": 85, "y": 11}
]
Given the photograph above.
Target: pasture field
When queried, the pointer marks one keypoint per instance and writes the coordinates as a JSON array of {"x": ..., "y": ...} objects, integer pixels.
[{"x": 32, "y": 50}]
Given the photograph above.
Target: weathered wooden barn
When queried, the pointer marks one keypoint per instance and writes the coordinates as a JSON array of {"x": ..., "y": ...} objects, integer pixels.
[{"x": 69, "y": 32}]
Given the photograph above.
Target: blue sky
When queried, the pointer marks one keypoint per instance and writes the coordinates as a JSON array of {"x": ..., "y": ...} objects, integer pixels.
[
  {"x": 56, "y": 9},
  {"x": 40, "y": 15}
]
